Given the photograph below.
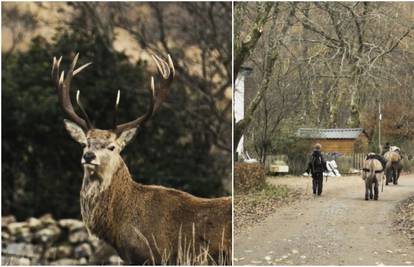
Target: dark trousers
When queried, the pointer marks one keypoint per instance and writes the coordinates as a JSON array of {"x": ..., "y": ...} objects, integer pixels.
[{"x": 317, "y": 182}]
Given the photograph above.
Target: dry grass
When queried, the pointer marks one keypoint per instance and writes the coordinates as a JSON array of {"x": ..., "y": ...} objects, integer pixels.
[
  {"x": 13, "y": 260},
  {"x": 188, "y": 252}
]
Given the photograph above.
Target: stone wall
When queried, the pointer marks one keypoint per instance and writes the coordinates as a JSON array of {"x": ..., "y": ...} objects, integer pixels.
[{"x": 45, "y": 240}]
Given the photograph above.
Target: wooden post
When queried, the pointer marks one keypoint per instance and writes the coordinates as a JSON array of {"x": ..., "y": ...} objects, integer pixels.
[{"x": 379, "y": 127}]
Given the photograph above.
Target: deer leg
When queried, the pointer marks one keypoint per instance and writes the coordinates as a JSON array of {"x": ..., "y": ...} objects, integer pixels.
[
  {"x": 366, "y": 189},
  {"x": 376, "y": 189},
  {"x": 397, "y": 175},
  {"x": 370, "y": 184},
  {"x": 394, "y": 175},
  {"x": 387, "y": 176}
]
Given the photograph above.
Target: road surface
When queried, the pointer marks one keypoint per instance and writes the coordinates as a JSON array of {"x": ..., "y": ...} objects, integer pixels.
[{"x": 337, "y": 228}]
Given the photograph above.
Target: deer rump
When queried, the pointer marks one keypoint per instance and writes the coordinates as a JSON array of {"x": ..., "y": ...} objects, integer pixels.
[
  {"x": 393, "y": 167},
  {"x": 372, "y": 174}
]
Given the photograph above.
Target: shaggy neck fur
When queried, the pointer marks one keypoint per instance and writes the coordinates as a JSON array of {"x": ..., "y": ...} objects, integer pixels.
[{"x": 99, "y": 192}]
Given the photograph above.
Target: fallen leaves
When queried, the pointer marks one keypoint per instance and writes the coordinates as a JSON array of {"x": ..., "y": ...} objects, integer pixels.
[
  {"x": 254, "y": 206},
  {"x": 405, "y": 218}
]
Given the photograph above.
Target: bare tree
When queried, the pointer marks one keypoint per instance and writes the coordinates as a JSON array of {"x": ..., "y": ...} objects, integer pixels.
[
  {"x": 344, "y": 59},
  {"x": 273, "y": 42},
  {"x": 347, "y": 31},
  {"x": 204, "y": 53}
]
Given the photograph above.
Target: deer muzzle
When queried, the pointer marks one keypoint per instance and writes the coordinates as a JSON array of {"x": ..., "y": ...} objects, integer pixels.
[{"x": 90, "y": 159}]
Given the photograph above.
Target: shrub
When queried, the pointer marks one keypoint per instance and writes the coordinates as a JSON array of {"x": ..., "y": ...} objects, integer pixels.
[
  {"x": 297, "y": 151},
  {"x": 408, "y": 165},
  {"x": 344, "y": 164},
  {"x": 248, "y": 176}
]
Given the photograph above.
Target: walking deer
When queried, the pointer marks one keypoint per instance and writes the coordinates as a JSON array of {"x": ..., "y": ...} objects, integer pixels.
[
  {"x": 372, "y": 174},
  {"x": 394, "y": 165},
  {"x": 144, "y": 223}
]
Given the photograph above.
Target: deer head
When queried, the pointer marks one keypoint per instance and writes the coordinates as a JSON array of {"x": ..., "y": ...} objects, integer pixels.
[{"x": 101, "y": 148}]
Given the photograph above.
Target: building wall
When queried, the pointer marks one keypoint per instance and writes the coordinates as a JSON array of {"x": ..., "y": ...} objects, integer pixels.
[
  {"x": 344, "y": 146},
  {"x": 239, "y": 106}
]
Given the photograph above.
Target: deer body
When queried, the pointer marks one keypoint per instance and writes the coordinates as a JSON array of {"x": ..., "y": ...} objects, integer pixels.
[
  {"x": 116, "y": 213},
  {"x": 145, "y": 224}
]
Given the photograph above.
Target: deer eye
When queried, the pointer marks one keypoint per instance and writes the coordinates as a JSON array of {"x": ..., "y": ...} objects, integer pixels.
[
  {"x": 83, "y": 145},
  {"x": 111, "y": 147}
]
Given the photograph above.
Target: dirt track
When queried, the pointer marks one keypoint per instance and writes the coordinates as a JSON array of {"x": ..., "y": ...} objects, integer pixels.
[{"x": 338, "y": 228}]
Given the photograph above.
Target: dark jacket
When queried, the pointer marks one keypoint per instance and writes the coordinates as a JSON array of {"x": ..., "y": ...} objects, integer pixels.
[
  {"x": 316, "y": 169},
  {"x": 386, "y": 148}
]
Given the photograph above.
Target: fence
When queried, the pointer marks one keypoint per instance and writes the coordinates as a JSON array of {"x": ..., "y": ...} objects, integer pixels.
[
  {"x": 358, "y": 160},
  {"x": 297, "y": 165},
  {"x": 347, "y": 163}
]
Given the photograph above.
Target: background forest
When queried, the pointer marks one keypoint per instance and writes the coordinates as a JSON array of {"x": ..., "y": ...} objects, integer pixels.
[
  {"x": 187, "y": 145},
  {"x": 325, "y": 65}
]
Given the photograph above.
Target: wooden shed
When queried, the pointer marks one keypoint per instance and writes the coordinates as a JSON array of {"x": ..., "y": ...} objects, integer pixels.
[{"x": 342, "y": 140}]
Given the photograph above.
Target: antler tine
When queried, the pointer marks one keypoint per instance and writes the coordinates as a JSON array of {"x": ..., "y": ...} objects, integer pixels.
[
  {"x": 72, "y": 68},
  {"x": 81, "y": 68},
  {"x": 167, "y": 72},
  {"x": 82, "y": 109},
  {"x": 140, "y": 120},
  {"x": 118, "y": 96},
  {"x": 55, "y": 70},
  {"x": 63, "y": 87}
]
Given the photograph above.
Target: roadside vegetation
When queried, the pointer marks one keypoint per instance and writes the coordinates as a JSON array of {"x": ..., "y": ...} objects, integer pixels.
[
  {"x": 405, "y": 218},
  {"x": 254, "y": 198}
]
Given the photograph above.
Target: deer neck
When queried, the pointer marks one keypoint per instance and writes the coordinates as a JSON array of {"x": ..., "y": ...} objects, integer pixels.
[{"x": 99, "y": 190}]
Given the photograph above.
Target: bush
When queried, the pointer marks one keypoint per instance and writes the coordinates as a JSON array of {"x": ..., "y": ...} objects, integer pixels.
[
  {"x": 248, "y": 176},
  {"x": 297, "y": 151},
  {"x": 408, "y": 165},
  {"x": 344, "y": 164}
]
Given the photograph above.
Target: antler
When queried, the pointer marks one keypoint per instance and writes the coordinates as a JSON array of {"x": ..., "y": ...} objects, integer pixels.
[
  {"x": 158, "y": 96},
  {"x": 63, "y": 88}
]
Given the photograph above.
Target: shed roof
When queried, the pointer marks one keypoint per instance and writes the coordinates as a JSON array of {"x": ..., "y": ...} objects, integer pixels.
[{"x": 338, "y": 133}]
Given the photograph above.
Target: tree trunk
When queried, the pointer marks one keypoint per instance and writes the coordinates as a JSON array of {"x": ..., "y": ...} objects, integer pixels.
[
  {"x": 354, "y": 118},
  {"x": 243, "y": 48}
]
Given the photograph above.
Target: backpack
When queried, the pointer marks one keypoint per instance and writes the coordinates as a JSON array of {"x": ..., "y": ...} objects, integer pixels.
[{"x": 316, "y": 162}]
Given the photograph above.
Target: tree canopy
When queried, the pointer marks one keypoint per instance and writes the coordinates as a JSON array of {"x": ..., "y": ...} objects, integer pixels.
[{"x": 325, "y": 65}]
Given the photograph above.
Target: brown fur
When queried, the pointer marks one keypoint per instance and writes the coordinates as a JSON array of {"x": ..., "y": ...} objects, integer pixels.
[
  {"x": 372, "y": 165},
  {"x": 392, "y": 156},
  {"x": 372, "y": 178},
  {"x": 140, "y": 222},
  {"x": 139, "y": 219},
  {"x": 393, "y": 167}
]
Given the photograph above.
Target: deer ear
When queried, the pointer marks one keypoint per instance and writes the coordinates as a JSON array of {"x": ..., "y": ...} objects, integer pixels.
[
  {"x": 126, "y": 137},
  {"x": 75, "y": 131}
]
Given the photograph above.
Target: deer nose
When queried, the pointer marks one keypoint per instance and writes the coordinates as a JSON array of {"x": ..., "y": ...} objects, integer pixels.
[{"x": 89, "y": 156}]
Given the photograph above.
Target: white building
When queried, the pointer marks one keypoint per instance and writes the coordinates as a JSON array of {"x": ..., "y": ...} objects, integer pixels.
[{"x": 239, "y": 96}]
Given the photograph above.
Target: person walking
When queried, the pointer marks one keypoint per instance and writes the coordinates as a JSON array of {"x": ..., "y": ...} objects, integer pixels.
[
  {"x": 316, "y": 167},
  {"x": 386, "y": 148}
]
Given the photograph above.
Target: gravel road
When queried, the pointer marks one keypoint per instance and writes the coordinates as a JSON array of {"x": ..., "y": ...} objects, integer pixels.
[{"x": 337, "y": 228}]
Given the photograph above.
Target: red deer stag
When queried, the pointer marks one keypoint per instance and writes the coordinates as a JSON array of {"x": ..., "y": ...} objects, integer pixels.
[{"x": 145, "y": 224}]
